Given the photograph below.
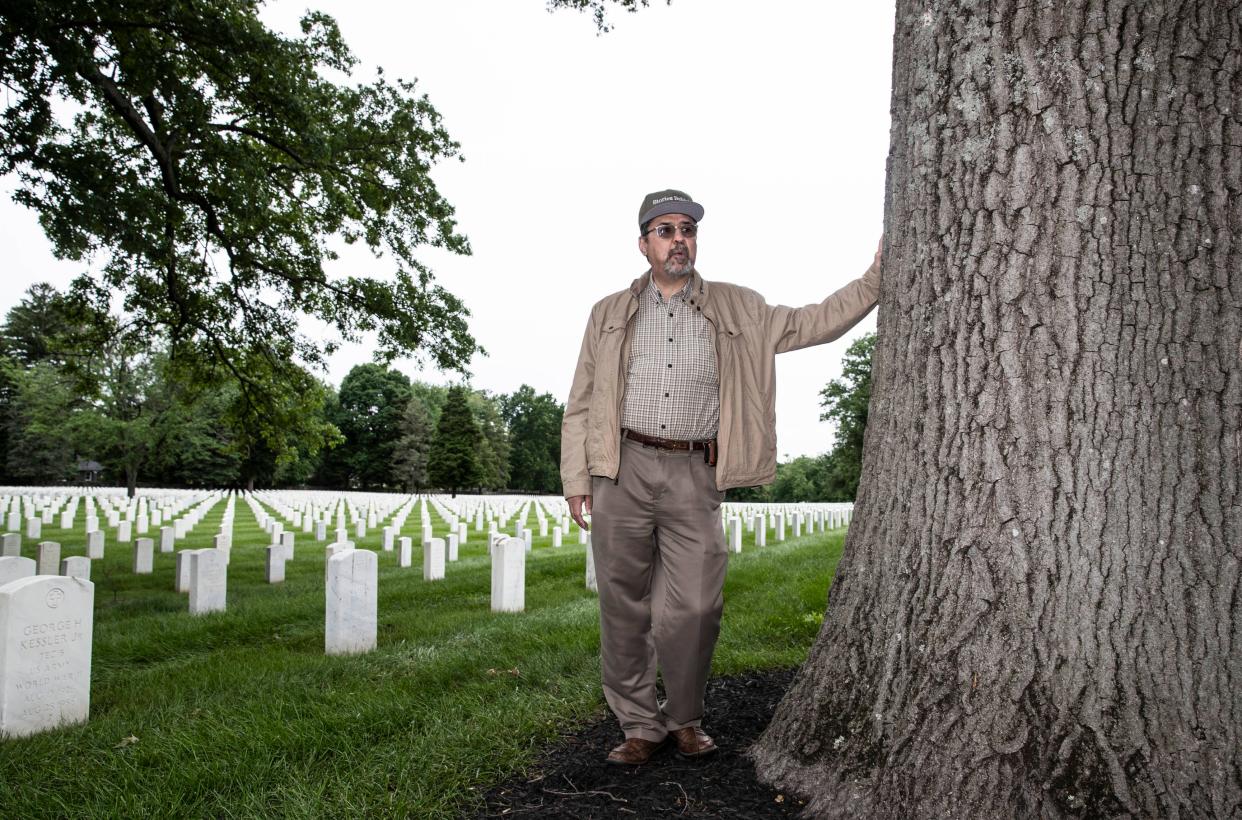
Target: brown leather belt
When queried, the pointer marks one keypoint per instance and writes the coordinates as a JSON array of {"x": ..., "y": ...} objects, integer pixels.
[{"x": 666, "y": 443}]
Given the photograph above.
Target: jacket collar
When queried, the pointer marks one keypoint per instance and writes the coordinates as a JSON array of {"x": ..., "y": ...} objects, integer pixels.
[{"x": 698, "y": 285}]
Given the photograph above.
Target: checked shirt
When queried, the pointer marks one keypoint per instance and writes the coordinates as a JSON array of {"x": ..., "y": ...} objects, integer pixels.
[{"x": 672, "y": 387}]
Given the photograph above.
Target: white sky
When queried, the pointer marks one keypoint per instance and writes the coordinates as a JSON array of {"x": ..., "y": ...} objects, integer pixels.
[{"x": 773, "y": 115}]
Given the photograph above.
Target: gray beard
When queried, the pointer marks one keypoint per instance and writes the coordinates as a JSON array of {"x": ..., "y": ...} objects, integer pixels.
[{"x": 675, "y": 271}]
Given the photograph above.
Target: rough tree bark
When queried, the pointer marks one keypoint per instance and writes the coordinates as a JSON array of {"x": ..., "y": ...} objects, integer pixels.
[{"x": 1039, "y": 613}]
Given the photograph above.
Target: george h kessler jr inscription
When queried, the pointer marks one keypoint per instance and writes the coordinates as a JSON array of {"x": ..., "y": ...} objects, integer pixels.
[{"x": 46, "y": 627}]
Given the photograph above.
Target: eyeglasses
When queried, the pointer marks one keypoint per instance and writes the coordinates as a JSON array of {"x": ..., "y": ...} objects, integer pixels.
[{"x": 665, "y": 230}]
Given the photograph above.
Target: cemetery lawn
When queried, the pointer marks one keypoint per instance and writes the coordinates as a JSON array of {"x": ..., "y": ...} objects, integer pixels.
[{"x": 241, "y": 714}]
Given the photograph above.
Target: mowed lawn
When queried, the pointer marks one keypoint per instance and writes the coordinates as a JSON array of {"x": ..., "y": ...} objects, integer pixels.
[{"x": 240, "y": 714}]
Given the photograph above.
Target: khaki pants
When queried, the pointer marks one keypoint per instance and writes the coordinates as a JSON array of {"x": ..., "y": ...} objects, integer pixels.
[{"x": 660, "y": 561}]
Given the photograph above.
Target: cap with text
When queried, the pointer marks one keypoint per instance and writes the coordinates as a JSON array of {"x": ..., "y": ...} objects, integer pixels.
[{"x": 668, "y": 202}]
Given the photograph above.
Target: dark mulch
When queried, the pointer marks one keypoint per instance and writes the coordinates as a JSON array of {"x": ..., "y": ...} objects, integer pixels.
[{"x": 571, "y": 779}]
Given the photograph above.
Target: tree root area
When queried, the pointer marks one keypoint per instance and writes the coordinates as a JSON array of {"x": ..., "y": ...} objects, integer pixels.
[{"x": 571, "y": 780}]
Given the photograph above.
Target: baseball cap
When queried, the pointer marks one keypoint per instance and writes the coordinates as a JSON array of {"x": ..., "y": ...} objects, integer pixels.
[{"x": 669, "y": 201}]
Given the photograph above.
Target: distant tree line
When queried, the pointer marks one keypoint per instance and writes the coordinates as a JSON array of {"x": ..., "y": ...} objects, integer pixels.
[
  {"x": 80, "y": 398},
  {"x": 832, "y": 476}
]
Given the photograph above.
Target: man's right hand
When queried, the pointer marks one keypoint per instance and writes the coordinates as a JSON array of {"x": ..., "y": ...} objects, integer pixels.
[{"x": 579, "y": 507}]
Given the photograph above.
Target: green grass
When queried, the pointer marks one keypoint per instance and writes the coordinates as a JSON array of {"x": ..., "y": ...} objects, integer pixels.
[{"x": 240, "y": 714}]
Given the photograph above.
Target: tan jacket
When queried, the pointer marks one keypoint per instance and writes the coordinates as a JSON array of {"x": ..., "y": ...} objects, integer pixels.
[{"x": 749, "y": 334}]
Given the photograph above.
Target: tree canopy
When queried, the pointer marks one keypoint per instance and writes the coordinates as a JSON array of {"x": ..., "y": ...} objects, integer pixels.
[
  {"x": 212, "y": 164},
  {"x": 535, "y": 437}
]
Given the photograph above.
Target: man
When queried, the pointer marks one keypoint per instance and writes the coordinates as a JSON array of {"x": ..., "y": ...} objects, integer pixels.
[{"x": 672, "y": 404}]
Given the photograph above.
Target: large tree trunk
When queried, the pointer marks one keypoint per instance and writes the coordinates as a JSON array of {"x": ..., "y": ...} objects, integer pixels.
[{"x": 1038, "y": 613}]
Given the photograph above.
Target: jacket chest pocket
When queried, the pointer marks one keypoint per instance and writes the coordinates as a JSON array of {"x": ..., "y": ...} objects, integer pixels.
[{"x": 607, "y": 373}]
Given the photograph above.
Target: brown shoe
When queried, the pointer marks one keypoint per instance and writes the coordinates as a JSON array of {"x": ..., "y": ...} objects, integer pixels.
[
  {"x": 693, "y": 742},
  {"x": 635, "y": 751}
]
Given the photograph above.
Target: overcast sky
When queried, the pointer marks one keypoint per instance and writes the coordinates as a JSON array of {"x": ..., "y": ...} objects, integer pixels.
[{"x": 772, "y": 115}]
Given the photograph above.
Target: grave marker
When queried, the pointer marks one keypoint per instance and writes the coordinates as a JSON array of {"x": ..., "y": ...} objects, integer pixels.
[
  {"x": 208, "y": 581},
  {"x": 508, "y": 574},
  {"x": 144, "y": 556},
  {"x": 591, "y": 582},
  {"x": 46, "y": 626},
  {"x": 76, "y": 566},
  {"x": 351, "y": 614},
  {"x": 95, "y": 544},
  {"x": 275, "y": 568},
  {"x": 48, "y": 557},
  {"x": 13, "y": 567},
  {"x": 433, "y": 560}
]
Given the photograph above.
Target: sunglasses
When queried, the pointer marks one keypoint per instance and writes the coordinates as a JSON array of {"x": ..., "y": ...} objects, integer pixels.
[{"x": 666, "y": 231}]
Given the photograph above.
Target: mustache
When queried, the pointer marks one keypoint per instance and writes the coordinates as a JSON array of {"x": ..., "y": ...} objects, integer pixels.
[{"x": 678, "y": 248}]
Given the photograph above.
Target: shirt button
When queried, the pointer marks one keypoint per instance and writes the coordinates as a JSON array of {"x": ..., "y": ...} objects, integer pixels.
[
  {"x": 666, "y": 395},
  {"x": 670, "y": 314},
  {"x": 661, "y": 426},
  {"x": 670, "y": 364},
  {"x": 670, "y": 338}
]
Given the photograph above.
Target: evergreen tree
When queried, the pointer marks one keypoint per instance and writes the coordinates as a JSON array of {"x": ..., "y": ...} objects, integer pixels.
[
  {"x": 409, "y": 459},
  {"x": 453, "y": 463},
  {"x": 494, "y": 448}
]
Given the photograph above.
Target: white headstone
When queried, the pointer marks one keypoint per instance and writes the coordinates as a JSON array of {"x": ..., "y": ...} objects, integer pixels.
[
  {"x": 95, "y": 544},
  {"x": 761, "y": 530},
  {"x": 167, "y": 541},
  {"x": 405, "y": 548},
  {"x": 275, "y": 568},
  {"x": 451, "y": 546},
  {"x": 797, "y": 525},
  {"x": 144, "y": 556},
  {"x": 14, "y": 521},
  {"x": 12, "y": 544},
  {"x": 526, "y": 538},
  {"x": 76, "y": 566},
  {"x": 508, "y": 575},
  {"x": 360, "y": 529},
  {"x": 66, "y": 521},
  {"x": 46, "y": 626},
  {"x": 462, "y": 529},
  {"x": 48, "y": 557},
  {"x": 735, "y": 535},
  {"x": 335, "y": 548},
  {"x": 142, "y": 524},
  {"x": 208, "y": 581},
  {"x": 321, "y": 530},
  {"x": 591, "y": 582},
  {"x": 351, "y": 613},
  {"x": 433, "y": 560},
  {"x": 34, "y": 527},
  {"x": 556, "y": 536},
  {"x": 124, "y": 532},
  {"x": 780, "y": 527},
  {"x": 286, "y": 541},
  {"x": 181, "y": 578},
  {"x": 582, "y": 536},
  {"x": 389, "y": 535},
  {"x": 13, "y": 567}
]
